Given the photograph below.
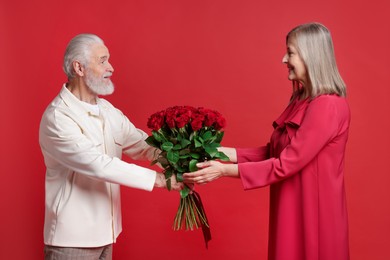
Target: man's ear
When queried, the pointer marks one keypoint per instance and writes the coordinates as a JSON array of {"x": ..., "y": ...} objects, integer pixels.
[{"x": 78, "y": 68}]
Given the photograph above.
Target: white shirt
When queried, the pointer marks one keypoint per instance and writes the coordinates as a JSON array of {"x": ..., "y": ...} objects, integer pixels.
[{"x": 82, "y": 149}]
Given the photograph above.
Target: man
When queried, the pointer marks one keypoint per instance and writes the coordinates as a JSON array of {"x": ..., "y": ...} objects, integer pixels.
[{"x": 82, "y": 138}]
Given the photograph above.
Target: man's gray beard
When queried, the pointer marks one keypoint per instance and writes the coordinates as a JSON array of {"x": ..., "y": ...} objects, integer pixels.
[{"x": 98, "y": 86}]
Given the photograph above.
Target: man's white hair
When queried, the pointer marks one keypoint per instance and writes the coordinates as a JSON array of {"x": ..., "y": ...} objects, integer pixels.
[{"x": 79, "y": 49}]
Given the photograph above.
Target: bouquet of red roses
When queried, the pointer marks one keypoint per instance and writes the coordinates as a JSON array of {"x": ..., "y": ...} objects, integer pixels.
[{"x": 185, "y": 136}]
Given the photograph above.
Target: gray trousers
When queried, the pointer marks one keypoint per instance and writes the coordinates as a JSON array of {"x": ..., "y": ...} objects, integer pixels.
[{"x": 72, "y": 253}]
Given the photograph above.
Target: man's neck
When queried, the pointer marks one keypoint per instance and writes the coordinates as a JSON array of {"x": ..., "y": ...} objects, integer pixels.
[{"x": 78, "y": 88}]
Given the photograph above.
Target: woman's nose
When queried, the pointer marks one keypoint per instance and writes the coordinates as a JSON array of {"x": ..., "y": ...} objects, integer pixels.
[{"x": 285, "y": 58}]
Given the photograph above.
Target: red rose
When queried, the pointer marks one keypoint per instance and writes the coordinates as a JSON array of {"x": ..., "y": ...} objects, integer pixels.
[
  {"x": 197, "y": 119},
  {"x": 156, "y": 121},
  {"x": 220, "y": 123},
  {"x": 183, "y": 116},
  {"x": 180, "y": 116},
  {"x": 210, "y": 118},
  {"x": 197, "y": 123},
  {"x": 170, "y": 117}
]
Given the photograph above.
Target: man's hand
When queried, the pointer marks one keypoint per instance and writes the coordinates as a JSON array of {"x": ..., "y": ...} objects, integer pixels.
[{"x": 161, "y": 182}]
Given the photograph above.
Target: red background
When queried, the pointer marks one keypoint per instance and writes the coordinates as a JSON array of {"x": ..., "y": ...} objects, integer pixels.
[{"x": 221, "y": 54}]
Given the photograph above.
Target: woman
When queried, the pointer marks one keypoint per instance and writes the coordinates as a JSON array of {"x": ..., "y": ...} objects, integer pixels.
[{"x": 304, "y": 160}]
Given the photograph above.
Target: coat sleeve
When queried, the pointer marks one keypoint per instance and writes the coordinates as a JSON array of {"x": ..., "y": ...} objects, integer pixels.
[
  {"x": 134, "y": 144},
  {"x": 252, "y": 154},
  {"x": 319, "y": 126},
  {"x": 65, "y": 146}
]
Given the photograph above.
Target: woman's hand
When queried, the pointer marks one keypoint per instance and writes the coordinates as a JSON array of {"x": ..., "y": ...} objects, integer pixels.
[{"x": 211, "y": 170}]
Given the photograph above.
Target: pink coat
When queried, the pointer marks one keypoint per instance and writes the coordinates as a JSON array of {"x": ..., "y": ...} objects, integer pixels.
[{"x": 304, "y": 164}]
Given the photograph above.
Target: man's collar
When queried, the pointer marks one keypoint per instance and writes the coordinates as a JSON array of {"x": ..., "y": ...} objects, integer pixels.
[{"x": 76, "y": 104}]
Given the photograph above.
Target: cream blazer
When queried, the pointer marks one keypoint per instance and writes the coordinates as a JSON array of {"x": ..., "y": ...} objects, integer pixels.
[{"x": 82, "y": 151}]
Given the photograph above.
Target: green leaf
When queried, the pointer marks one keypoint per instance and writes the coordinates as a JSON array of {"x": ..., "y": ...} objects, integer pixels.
[
  {"x": 179, "y": 177},
  {"x": 180, "y": 169},
  {"x": 211, "y": 151},
  {"x": 222, "y": 156},
  {"x": 184, "y": 151},
  {"x": 184, "y": 192},
  {"x": 219, "y": 136},
  {"x": 185, "y": 143},
  {"x": 167, "y": 146},
  {"x": 207, "y": 135},
  {"x": 157, "y": 136},
  {"x": 168, "y": 175},
  {"x": 177, "y": 147},
  {"x": 198, "y": 142},
  {"x": 169, "y": 184},
  {"x": 195, "y": 155},
  {"x": 211, "y": 145},
  {"x": 152, "y": 142},
  {"x": 192, "y": 165},
  {"x": 173, "y": 156}
]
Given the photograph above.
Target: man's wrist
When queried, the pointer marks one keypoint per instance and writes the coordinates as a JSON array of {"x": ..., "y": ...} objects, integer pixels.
[{"x": 160, "y": 181}]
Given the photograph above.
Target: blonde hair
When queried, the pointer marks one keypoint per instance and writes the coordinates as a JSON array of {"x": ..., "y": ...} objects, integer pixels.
[{"x": 315, "y": 47}]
